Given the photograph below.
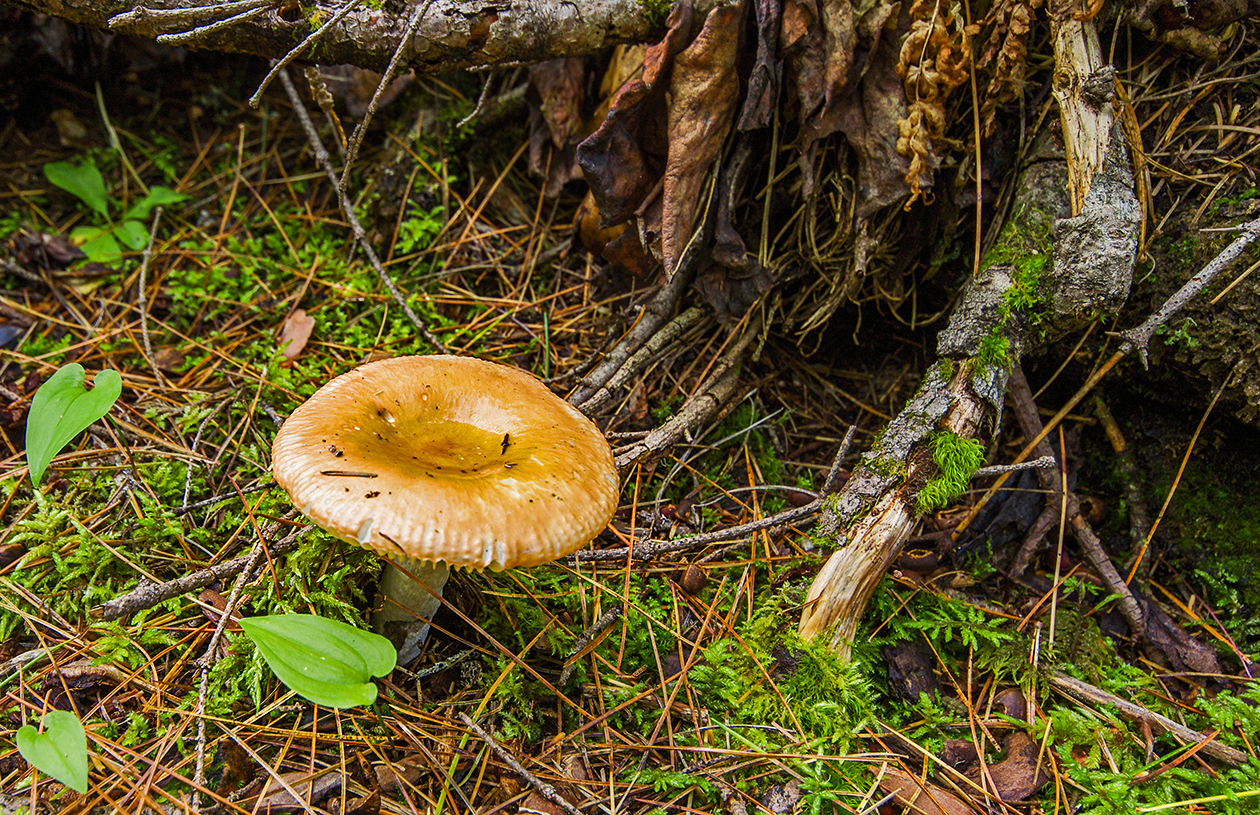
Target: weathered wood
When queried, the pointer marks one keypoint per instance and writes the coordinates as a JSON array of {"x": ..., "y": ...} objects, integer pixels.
[{"x": 452, "y": 34}]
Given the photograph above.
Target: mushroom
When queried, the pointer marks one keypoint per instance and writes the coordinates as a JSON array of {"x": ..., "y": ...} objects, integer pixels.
[{"x": 440, "y": 461}]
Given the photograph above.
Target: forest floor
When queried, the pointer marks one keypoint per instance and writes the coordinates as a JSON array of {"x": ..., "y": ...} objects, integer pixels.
[{"x": 694, "y": 694}]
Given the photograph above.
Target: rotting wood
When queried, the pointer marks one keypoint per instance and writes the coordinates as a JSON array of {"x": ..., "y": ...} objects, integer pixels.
[
  {"x": 1091, "y": 269},
  {"x": 452, "y": 34},
  {"x": 1136, "y": 713}
]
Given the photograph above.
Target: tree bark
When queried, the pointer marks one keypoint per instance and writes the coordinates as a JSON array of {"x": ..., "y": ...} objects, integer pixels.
[{"x": 452, "y": 34}]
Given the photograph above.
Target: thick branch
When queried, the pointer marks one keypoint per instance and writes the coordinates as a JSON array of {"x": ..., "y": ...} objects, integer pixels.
[{"x": 451, "y": 35}]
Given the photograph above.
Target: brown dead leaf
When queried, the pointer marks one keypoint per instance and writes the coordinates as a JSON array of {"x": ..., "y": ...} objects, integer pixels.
[
  {"x": 618, "y": 245},
  {"x": 869, "y": 122},
  {"x": 624, "y": 158},
  {"x": 763, "y": 82},
  {"x": 1017, "y": 776},
  {"x": 311, "y": 789},
  {"x": 922, "y": 797},
  {"x": 704, "y": 90},
  {"x": 555, "y": 120},
  {"x": 42, "y": 250},
  {"x": 735, "y": 279},
  {"x": 354, "y": 87},
  {"x": 169, "y": 359},
  {"x": 293, "y": 336}
]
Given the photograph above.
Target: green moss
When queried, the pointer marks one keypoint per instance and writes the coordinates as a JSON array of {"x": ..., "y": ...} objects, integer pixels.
[
  {"x": 995, "y": 350},
  {"x": 1024, "y": 243},
  {"x": 770, "y": 676},
  {"x": 656, "y": 11},
  {"x": 957, "y": 459}
]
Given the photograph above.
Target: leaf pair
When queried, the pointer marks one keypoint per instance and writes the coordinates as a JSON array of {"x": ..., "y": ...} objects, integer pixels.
[
  {"x": 325, "y": 661},
  {"x": 100, "y": 243},
  {"x": 63, "y": 408}
]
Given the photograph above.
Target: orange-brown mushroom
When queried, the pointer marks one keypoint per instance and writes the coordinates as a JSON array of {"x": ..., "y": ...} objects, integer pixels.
[{"x": 443, "y": 461}]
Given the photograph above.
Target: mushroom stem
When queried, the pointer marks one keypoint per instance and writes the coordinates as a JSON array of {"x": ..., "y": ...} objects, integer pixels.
[{"x": 410, "y": 594}]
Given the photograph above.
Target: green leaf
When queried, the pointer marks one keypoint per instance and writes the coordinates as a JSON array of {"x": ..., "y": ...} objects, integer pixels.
[
  {"x": 157, "y": 197},
  {"x": 133, "y": 234},
  {"x": 83, "y": 181},
  {"x": 60, "y": 751},
  {"x": 325, "y": 661},
  {"x": 61, "y": 409},
  {"x": 97, "y": 243}
]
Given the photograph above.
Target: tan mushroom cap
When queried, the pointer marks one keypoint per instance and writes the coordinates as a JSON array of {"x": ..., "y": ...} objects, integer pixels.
[{"x": 452, "y": 459}]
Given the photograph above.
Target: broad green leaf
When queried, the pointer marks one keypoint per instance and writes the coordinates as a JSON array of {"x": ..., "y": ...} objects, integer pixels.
[
  {"x": 325, "y": 661},
  {"x": 157, "y": 197},
  {"x": 133, "y": 233},
  {"x": 83, "y": 181},
  {"x": 97, "y": 243},
  {"x": 61, "y": 409},
  {"x": 60, "y": 751}
]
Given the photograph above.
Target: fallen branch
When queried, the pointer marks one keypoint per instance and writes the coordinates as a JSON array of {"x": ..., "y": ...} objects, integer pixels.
[
  {"x": 542, "y": 787},
  {"x": 148, "y": 595},
  {"x": 1091, "y": 270},
  {"x": 1083, "y": 691},
  {"x": 454, "y": 34}
]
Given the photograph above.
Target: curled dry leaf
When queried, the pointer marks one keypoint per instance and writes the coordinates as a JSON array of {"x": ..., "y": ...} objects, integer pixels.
[
  {"x": 922, "y": 797},
  {"x": 293, "y": 336},
  {"x": 763, "y": 82},
  {"x": 934, "y": 60},
  {"x": 555, "y": 121},
  {"x": 623, "y": 160},
  {"x": 704, "y": 91},
  {"x": 1006, "y": 48}
]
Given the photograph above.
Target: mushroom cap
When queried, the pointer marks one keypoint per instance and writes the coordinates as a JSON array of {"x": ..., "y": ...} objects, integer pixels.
[{"x": 446, "y": 458}]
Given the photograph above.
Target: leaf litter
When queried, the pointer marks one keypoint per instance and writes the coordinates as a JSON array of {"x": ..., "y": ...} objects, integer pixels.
[{"x": 657, "y": 742}]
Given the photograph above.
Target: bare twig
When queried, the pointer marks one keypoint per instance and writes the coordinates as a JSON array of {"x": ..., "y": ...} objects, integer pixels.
[
  {"x": 1140, "y": 338},
  {"x": 544, "y": 789},
  {"x": 218, "y": 499},
  {"x": 172, "y": 17},
  {"x": 651, "y": 350},
  {"x": 1136, "y": 713},
  {"x": 655, "y": 313},
  {"x": 281, "y": 63},
  {"x": 714, "y": 392},
  {"x": 1030, "y": 423},
  {"x": 148, "y": 595},
  {"x": 356, "y": 138},
  {"x": 650, "y": 549},
  {"x": 1043, "y": 463},
  {"x": 181, "y": 37},
  {"x": 347, "y": 211}
]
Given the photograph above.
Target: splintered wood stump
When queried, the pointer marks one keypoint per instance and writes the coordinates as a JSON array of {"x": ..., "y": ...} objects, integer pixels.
[{"x": 871, "y": 517}]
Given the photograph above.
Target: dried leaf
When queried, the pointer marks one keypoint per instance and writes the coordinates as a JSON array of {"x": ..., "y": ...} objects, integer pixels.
[
  {"x": 555, "y": 121},
  {"x": 704, "y": 91},
  {"x": 1017, "y": 776},
  {"x": 922, "y": 797},
  {"x": 293, "y": 336},
  {"x": 624, "y": 158},
  {"x": 310, "y": 789},
  {"x": 763, "y": 82}
]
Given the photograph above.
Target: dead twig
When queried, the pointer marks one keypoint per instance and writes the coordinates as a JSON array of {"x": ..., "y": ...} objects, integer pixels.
[
  {"x": 655, "y": 314},
  {"x": 347, "y": 211},
  {"x": 1030, "y": 423},
  {"x": 356, "y": 138},
  {"x": 543, "y": 788},
  {"x": 147, "y": 595},
  {"x": 1136, "y": 713},
  {"x": 1139, "y": 338}
]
